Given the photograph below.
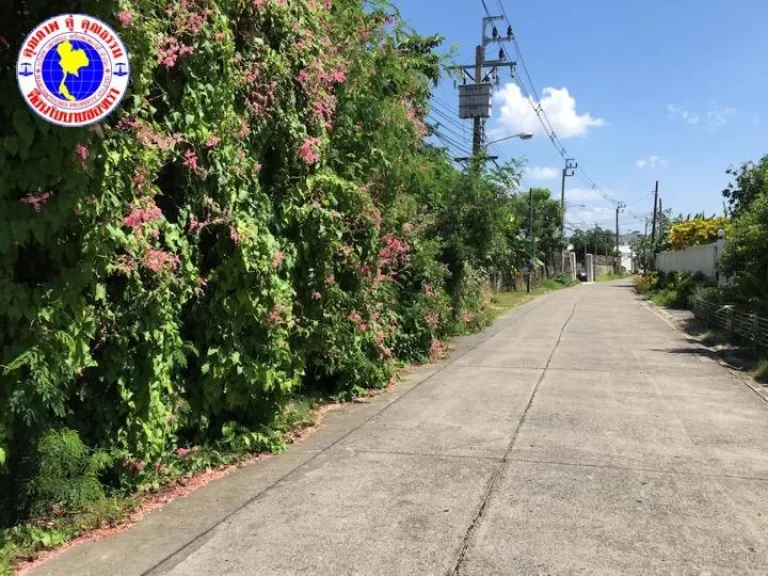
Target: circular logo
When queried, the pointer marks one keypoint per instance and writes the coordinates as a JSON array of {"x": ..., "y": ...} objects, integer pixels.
[{"x": 73, "y": 70}]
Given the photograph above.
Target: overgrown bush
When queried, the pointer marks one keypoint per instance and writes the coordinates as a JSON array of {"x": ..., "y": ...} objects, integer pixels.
[
  {"x": 260, "y": 218},
  {"x": 688, "y": 233}
]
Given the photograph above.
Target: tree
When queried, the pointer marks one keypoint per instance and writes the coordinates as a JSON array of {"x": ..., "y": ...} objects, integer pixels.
[
  {"x": 745, "y": 260},
  {"x": 751, "y": 182},
  {"x": 547, "y": 221},
  {"x": 599, "y": 241}
]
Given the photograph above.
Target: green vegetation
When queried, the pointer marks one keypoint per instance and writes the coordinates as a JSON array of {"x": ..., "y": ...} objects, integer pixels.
[
  {"x": 671, "y": 290},
  {"x": 761, "y": 373},
  {"x": 261, "y": 225},
  {"x": 502, "y": 302},
  {"x": 611, "y": 276}
]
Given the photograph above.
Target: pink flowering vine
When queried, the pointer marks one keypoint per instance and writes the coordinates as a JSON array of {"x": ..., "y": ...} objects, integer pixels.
[
  {"x": 157, "y": 260},
  {"x": 146, "y": 212},
  {"x": 316, "y": 296},
  {"x": 82, "y": 152},
  {"x": 125, "y": 18},
  {"x": 309, "y": 152},
  {"x": 37, "y": 201},
  {"x": 354, "y": 317},
  {"x": 190, "y": 160},
  {"x": 278, "y": 259}
]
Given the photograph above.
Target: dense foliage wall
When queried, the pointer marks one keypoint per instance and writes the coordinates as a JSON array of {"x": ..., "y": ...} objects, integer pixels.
[{"x": 261, "y": 216}]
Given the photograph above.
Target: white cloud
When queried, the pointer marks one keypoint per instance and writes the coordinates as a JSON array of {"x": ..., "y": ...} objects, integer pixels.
[
  {"x": 651, "y": 162},
  {"x": 542, "y": 173},
  {"x": 718, "y": 117},
  {"x": 675, "y": 111},
  {"x": 518, "y": 115}
]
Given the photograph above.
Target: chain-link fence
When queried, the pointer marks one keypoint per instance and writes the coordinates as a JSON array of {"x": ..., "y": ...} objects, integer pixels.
[{"x": 748, "y": 326}]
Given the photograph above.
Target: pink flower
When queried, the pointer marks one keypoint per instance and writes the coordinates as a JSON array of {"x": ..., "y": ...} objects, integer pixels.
[
  {"x": 429, "y": 291},
  {"x": 275, "y": 315},
  {"x": 157, "y": 260},
  {"x": 125, "y": 18},
  {"x": 316, "y": 296},
  {"x": 309, "y": 152},
  {"x": 303, "y": 76},
  {"x": 278, "y": 259},
  {"x": 354, "y": 316},
  {"x": 190, "y": 159},
  {"x": 234, "y": 235},
  {"x": 213, "y": 141},
  {"x": 181, "y": 452},
  {"x": 363, "y": 327},
  {"x": 433, "y": 319},
  {"x": 339, "y": 76},
  {"x": 146, "y": 212},
  {"x": 331, "y": 280},
  {"x": 436, "y": 348},
  {"x": 81, "y": 151},
  {"x": 37, "y": 201},
  {"x": 467, "y": 318}
]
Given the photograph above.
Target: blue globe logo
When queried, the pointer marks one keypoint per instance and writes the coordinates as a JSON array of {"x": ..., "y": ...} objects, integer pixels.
[{"x": 72, "y": 70}]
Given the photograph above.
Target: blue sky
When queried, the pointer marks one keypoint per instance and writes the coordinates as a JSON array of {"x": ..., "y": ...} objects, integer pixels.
[{"x": 674, "y": 90}]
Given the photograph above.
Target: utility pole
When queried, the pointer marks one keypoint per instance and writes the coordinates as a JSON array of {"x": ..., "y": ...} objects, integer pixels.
[
  {"x": 661, "y": 222},
  {"x": 653, "y": 229},
  {"x": 533, "y": 240},
  {"x": 530, "y": 226},
  {"x": 477, "y": 133},
  {"x": 475, "y": 98},
  {"x": 619, "y": 208},
  {"x": 569, "y": 170}
]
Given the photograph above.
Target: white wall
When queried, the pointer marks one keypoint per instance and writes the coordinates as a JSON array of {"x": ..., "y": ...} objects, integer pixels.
[{"x": 702, "y": 259}]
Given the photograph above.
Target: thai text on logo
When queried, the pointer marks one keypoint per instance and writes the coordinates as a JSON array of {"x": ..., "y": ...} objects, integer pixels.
[{"x": 73, "y": 70}]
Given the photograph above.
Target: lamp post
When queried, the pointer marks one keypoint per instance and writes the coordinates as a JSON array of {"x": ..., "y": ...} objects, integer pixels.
[{"x": 521, "y": 136}]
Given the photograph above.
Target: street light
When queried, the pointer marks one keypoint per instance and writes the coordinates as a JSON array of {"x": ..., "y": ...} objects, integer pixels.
[{"x": 522, "y": 136}]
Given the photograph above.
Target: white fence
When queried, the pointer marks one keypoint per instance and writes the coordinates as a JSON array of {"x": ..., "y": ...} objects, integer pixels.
[
  {"x": 749, "y": 326},
  {"x": 702, "y": 259}
]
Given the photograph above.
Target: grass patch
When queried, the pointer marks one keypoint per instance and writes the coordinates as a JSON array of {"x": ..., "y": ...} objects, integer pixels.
[
  {"x": 761, "y": 374},
  {"x": 501, "y": 302},
  {"x": 611, "y": 277}
]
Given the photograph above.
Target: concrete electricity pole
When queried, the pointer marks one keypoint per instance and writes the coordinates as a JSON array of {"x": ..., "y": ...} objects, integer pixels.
[
  {"x": 475, "y": 98},
  {"x": 569, "y": 170},
  {"x": 619, "y": 209},
  {"x": 652, "y": 263}
]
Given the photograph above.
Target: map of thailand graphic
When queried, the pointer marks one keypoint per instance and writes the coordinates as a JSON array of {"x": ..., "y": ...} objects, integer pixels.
[{"x": 73, "y": 71}]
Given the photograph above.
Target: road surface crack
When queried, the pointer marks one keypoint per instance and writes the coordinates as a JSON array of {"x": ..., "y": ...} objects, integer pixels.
[{"x": 497, "y": 473}]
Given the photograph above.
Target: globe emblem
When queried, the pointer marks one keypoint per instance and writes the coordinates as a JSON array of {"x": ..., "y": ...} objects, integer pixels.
[{"x": 72, "y": 70}]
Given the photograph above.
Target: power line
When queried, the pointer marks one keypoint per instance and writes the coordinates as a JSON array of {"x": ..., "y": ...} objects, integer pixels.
[{"x": 539, "y": 109}]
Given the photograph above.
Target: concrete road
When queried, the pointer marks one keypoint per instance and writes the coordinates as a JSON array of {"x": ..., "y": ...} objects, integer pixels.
[{"x": 579, "y": 435}]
